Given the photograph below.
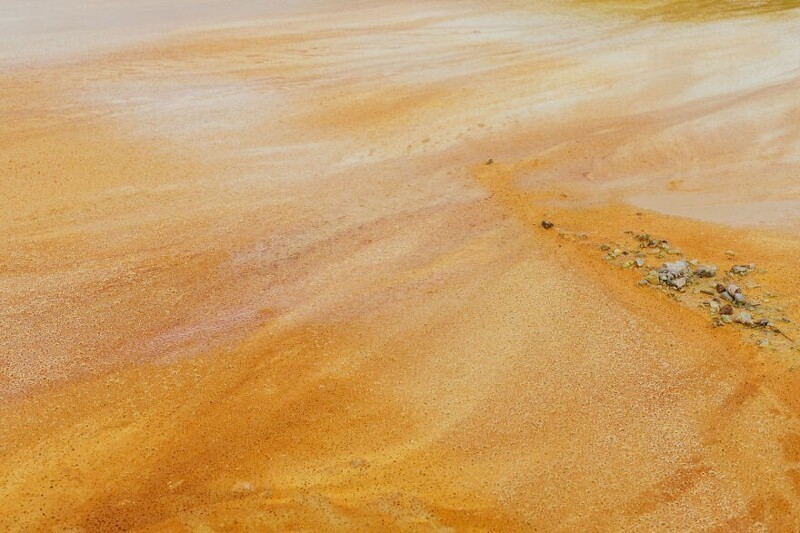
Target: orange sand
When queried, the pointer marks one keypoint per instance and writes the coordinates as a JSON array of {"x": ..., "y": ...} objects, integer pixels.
[{"x": 258, "y": 276}]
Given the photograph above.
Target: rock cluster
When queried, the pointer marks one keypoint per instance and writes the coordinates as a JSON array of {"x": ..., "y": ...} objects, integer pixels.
[
  {"x": 674, "y": 274},
  {"x": 682, "y": 280},
  {"x": 731, "y": 292}
]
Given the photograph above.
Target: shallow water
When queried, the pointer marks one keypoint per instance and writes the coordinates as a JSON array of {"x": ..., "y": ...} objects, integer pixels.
[{"x": 720, "y": 209}]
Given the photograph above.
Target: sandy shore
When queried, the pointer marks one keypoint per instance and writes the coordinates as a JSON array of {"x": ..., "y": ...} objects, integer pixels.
[{"x": 256, "y": 272}]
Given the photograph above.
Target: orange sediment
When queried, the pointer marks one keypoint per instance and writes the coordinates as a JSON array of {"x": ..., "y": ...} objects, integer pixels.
[{"x": 261, "y": 277}]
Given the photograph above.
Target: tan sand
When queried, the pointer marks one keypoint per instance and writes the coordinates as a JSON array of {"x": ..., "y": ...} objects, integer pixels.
[{"x": 257, "y": 275}]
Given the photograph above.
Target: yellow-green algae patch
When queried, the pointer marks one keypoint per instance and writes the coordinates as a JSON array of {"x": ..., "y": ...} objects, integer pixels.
[{"x": 687, "y": 10}]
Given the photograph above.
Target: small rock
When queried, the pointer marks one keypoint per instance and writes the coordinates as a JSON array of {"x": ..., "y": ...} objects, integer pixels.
[
  {"x": 643, "y": 283},
  {"x": 744, "y": 318},
  {"x": 742, "y": 270},
  {"x": 727, "y": 296},
  {"x": 730, "y": 253},
  {"x": 714, "y": 306},
  {"x": 627, "y": 264},
  {"x": 679, "y": 283},
  {"x": 242, "y": 487},
  {"x": 763, "y": 343},
  {"x": 739, "y": 297},
  {"x": 673, "y": 252},
  {"x": 706, "y": 271},
  {"x": 639, "y": 262},
  {"x": 732, "y": 289},
  {"x": 605, "y": 247},
  {"x": 725, "y": 319},
  {"x": 763, "y": 322},
  {"x": 359, "y": 462},
  {"x": 726, "y": 309},
  {"x": 720, "y": 288},
  {"x": 489, "y": 162},
  {"x": 546, "y": 224}
]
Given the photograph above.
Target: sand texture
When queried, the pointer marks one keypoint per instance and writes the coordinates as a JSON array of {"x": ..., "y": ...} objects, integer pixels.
[{"x": 256, "y": 273}]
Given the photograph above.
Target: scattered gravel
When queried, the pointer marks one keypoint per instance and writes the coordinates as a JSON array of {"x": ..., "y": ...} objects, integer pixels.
[{"x": 726, "y": 302}]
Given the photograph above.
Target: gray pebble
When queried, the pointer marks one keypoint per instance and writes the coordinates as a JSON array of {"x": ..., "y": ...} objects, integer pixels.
[
  {"x": 706, "y": 271},
  {"x": 727, "y": 296},
  {"x": 744, "y": 318},
  {"x": 742, "y": 269},
  {"x": 739, "y": 297}
]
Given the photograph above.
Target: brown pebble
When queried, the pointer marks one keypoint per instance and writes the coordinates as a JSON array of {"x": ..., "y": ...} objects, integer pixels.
[
  {"x": 489, "y": 162},
  {"x": 720, "y": 288},
  {"x": 546, "y": 224},
  {"x": 726, "y": 309}
]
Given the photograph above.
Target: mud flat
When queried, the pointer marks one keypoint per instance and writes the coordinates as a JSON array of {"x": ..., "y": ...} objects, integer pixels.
[{"x": 257, "y": 273}]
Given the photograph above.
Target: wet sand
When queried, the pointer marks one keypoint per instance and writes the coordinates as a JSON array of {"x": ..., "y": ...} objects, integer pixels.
[{"x": 256, "y": 272}]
